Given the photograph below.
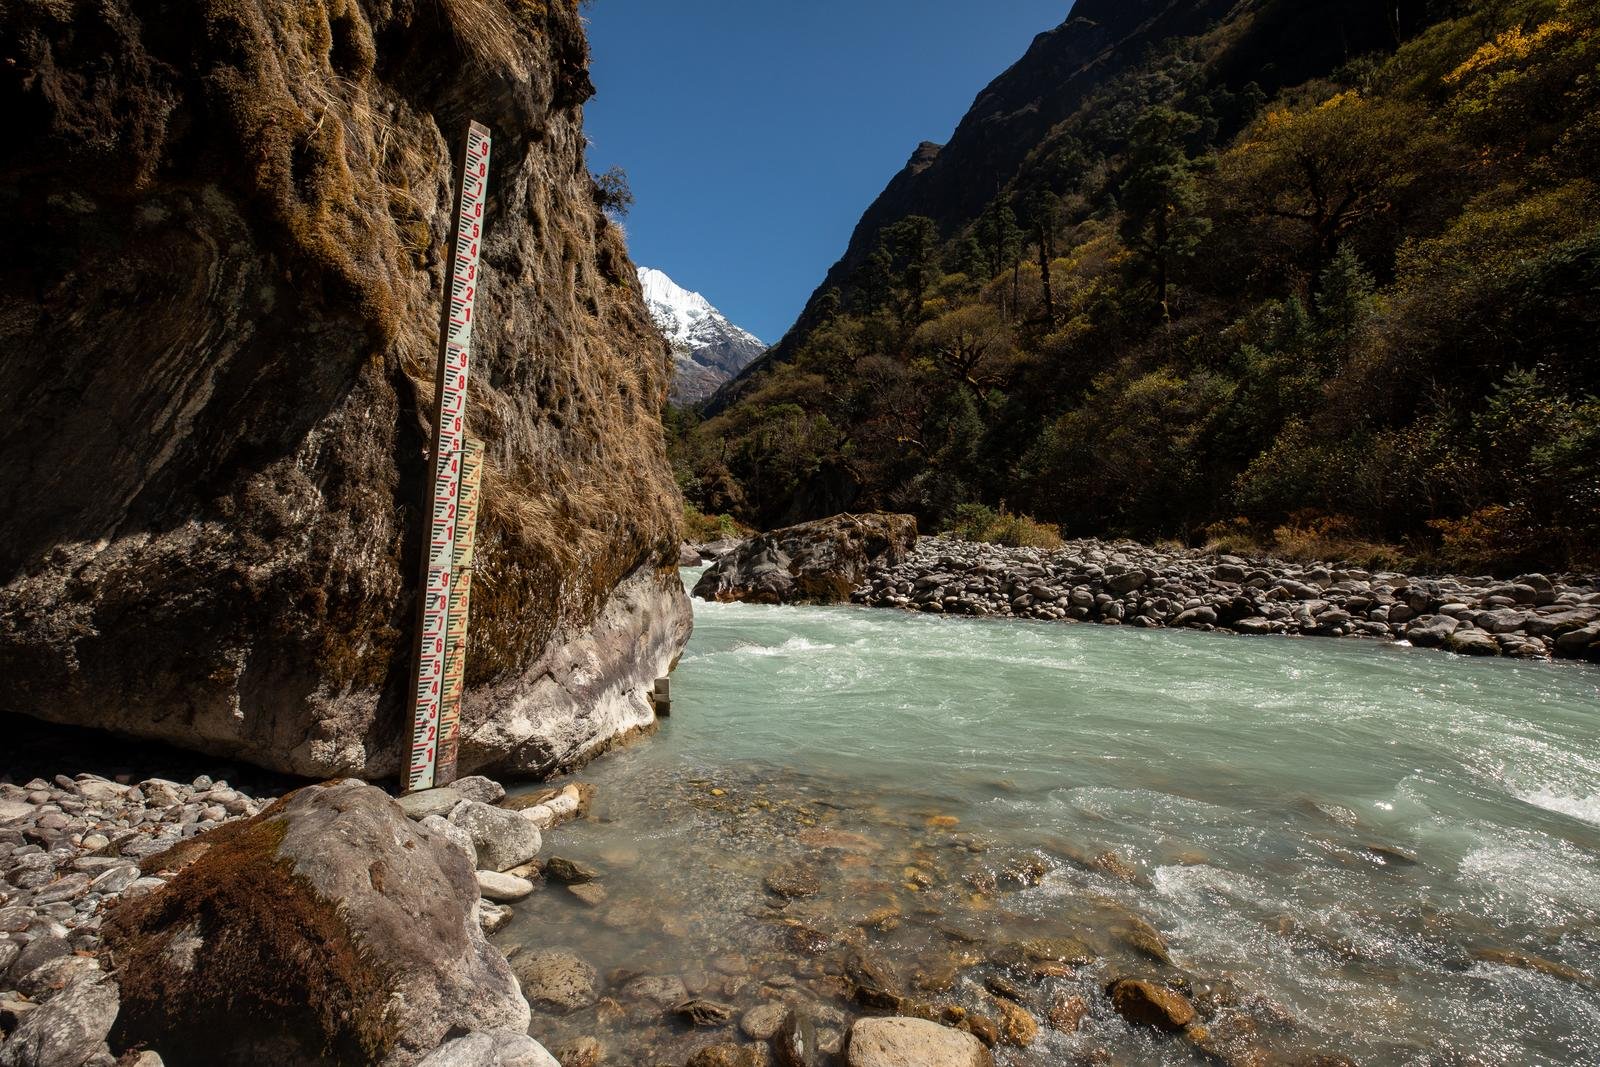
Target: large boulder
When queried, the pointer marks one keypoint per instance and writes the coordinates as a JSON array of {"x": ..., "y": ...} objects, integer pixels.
[
  {"x": 330, "y": 929},
  {"x": 817, "y": 562},
  {"x": 227, "y": 230}
]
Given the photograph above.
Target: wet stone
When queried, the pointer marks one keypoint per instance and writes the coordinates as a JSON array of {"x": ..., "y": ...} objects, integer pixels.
[
  {"x": 1017, "y": 1026},
  {"x": 555, "y": 979},
  {"x": 581, "y": 1052},
  {"x": 1147, "y": 1003},
  {"x": 763, "y": 1020},
  {"x": 793, "y": 880},
  {"x": 571, "y": 872},
  {"x": 660, "y": 989},
  {"x": 796, "y": 1043},
  {"x": 1068, "y": 950},
  {"x": 725, "y": 1054},
  {"x": 590, "y": 894},
  {"x": 874, "y": 980},
  {"x": 1143, "y": 938},
  {"x": 1067, "y": 1012}
]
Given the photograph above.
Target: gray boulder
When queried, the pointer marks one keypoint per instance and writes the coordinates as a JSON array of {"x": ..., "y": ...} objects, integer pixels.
[
  {"x": 329, "y": 926},
  {"x": 1431, "y": 631},
  {"x": 1580, "y": 644},
  {"x": 67, "y": 1029},
  {"x": 503, "y": 839},
  {"x": 1469, "y": 641},
  {"x": 1201, "y": 616}
]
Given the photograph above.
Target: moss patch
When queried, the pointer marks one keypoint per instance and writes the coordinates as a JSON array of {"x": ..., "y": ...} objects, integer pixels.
[{"x": 238, "y": 942}]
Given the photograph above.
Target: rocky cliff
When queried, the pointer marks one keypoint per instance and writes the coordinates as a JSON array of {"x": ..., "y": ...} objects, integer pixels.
[{"x": 227, "y": 223}]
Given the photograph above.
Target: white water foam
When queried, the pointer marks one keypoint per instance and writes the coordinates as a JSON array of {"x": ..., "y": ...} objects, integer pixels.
[
  {"x": 1585, "y": 808},
  {"x": 790, "y": 647}
]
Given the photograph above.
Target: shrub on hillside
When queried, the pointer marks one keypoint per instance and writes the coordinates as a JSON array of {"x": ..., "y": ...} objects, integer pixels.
[{"x": 976, "y": 522}]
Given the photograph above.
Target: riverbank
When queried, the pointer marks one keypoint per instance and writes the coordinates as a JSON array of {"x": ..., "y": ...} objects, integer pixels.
[{"x": 1127, "y": 584}]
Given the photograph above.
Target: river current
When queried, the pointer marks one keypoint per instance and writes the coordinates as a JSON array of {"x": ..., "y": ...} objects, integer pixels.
[{"x": 1346, "y": 848}]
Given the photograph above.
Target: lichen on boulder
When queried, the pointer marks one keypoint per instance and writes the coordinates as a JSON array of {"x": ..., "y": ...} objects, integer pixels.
[{"x": 330, "y": 929}]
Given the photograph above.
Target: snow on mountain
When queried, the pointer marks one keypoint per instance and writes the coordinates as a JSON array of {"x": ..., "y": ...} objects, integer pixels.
[{"x": 707, "y": 348}]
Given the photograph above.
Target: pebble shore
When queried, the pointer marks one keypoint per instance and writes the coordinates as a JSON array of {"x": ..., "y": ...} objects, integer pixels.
[
  {"x": 1124, "y": 583},
  {"x": 71, "y": 847}
]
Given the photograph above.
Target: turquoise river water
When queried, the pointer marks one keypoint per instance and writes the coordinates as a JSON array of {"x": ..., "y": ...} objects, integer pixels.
[{"x": 1349, "y": 849}]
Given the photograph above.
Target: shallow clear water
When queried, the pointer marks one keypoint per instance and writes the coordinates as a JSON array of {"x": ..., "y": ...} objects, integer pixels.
[{"x": 1250, "y": 790}]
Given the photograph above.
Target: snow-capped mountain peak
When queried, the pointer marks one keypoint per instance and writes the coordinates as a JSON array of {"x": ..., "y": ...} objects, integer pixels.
[
  {"x": 708, "y": 348},
  {"x": 676, "y": 310}
]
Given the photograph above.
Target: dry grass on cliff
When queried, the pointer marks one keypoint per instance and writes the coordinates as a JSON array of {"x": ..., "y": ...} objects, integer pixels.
[{"x": 491, "y": 32}]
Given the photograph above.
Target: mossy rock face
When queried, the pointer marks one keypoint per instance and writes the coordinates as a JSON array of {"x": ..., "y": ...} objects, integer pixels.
[
  {"x": 231, "y": 226},
  {"x": 327, "y": 930},
  {"x": 818, "y": 562}
]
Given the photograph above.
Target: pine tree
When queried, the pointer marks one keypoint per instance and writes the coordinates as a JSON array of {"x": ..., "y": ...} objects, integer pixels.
[{"x": 1160, "y": 199}]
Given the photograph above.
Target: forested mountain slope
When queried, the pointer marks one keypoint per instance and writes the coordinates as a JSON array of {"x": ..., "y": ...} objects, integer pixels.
[{"x": 1260, "y": 272}]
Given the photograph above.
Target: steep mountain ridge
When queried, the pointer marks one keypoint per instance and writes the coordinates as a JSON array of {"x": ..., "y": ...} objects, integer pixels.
[
  {"x": 707, "y": 349},
  {"x": 1015, "y": 113}
]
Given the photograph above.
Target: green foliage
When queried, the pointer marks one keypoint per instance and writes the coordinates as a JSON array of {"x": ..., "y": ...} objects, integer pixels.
[
  {"x": 1160, "y": 201},
  {"x": 612, "y": 192},
  {"x": 699, "y": 527},
  {"x": 1356, "y": 315},
  {"x": 977, "y": 522}
]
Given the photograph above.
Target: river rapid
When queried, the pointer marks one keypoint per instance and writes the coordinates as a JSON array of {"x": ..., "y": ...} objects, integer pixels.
[{"x": 1342, "y": 848}]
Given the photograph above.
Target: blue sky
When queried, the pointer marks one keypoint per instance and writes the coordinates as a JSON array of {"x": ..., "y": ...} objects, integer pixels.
[{"x": 754, "y": 132}]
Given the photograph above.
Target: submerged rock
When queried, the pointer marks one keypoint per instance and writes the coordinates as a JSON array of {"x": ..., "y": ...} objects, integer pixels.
[
  {"x": 556, "y": 979},
  {"x": 761, "y": 1022},
  {"x": 1505, "y": 957},
  {"x": 581, "y": 1052},
  {"x": 569, "y": 871},
  {"x": 794, "y": 879},
  {"x": 796, "y": 1043},
  {"x": 725, "y": 1054},
  {"x": 1067, "y": 1012},
  {"x": 329, "y": 926},
  {"x": 1150, "y": 1004},
  {"x": 704, "y": 1013},
  {"x": 817, "y": 562}
]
